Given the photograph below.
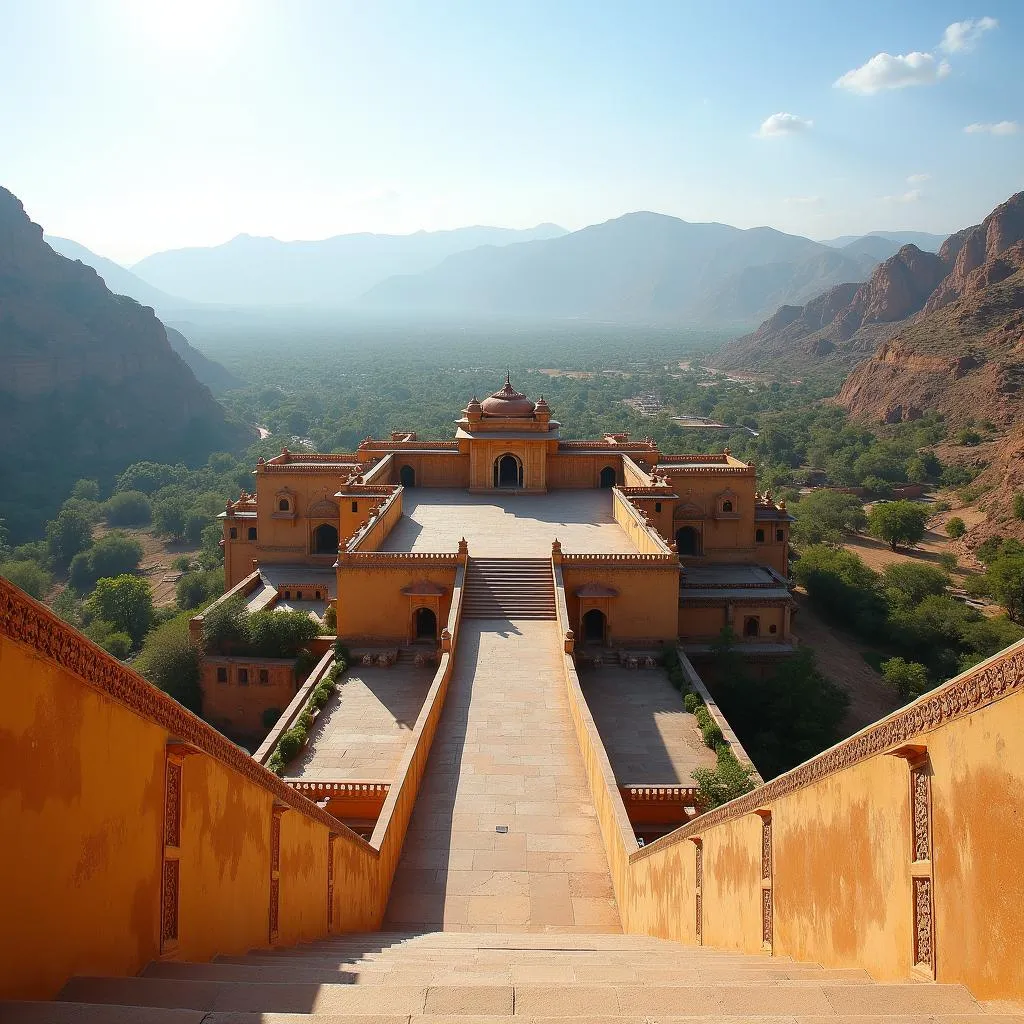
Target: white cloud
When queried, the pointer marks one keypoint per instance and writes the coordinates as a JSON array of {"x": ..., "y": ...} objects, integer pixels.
[
  {"x": 784, "y": 124},
  {"x": 993, "y": 128},
  {"x": 916, "y": 179},
  {"x": 963, "y": 35},
  {"x": 910, "y": 196},
  {"x": 802, "y": 200},
  {"x": 885, "y": 71}
]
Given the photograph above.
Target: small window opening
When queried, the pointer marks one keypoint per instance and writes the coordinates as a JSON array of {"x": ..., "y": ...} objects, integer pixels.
[
  {"x": 252, "y": 533},
  {"x": 287, "y": 595},
  {"x": 759, "y": 536},
  {"x": 726, "y": 506},
  {"x": 298, "y": 595},
  {"x": 773, "y": 628},
  {"x": 283, "y": 506},
  {"x": 780, "y": 535},
  {"x": 234, "y": 533},
  {"x": 222, "y": 675},
  {"x": 355, "y": 506},
  {"x": 243, "y": 677},
  {"x": 657, "y": 506},
  {"x": 264, "y": 676}
]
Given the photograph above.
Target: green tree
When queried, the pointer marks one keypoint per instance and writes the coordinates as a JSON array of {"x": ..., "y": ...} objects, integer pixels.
[
  {"x": 126, "y": 602},
  {"x": 149, "y": 477},
  {"x": 956, "y": 528},
  {"x": 66, "y": 535},
  {"x": 109, "y": 637},
  {"x": 726, "y": 781},
  {"x": 170, "y": 517},
  {"x": 127, "y": 508},
  {"x": 839, "y": 582},
  {"x": 898, "y": 522},
  {"x": 194, "y": 589},
  {"x": 87, "y": 489},
  {"x": 1006, "y": 583},
  {"x": 170, "y": 661},
  {"x": 908, "y": 678},
  {"x": 827, "y": 516},
  {"x": 113, "y": 554},
  {"x": 907, "y": 584},
  {"x": 1018, "y": 505},
  {"x": 29, "y": 576}
]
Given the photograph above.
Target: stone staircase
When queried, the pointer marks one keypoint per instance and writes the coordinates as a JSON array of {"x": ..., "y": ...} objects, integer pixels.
[
  {"x": 431, "y": 978},
  {"x": 509, "y": 588}
]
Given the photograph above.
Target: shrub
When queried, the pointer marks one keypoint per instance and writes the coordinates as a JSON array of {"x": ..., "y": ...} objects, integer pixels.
[
  {"x": 149, "y": 477},
  {"x": 712, "y": 735},
  {"x": 66, "y": 535},
  {"x": 956, "y": 528},
  {"x": 908, "y": 678},
  {"x": 1018, "y": 505},
  {"x": 127, "y": 508},
  {"x": 907, "y": 584},
  {"x": 1006, "y": 582},
  {"x": 968, "y": 437},
  {"x": 827, "y": 516},
  {"x": 691, "y": 702},
  {"x": 726, "y": 781},
  {"x": 331, "y": 618},
  {"x": 289, "y": 745},
  {"x": 110, "y": 638},
  {"x": 948, "y": 561},
  {"x": 305, "y": 662},
  {"x": 839, "y": 582},
  {"x": 29, "y": 576},
  {"x": 87, "y": 489},
  {"x": 195, "y": 589}
]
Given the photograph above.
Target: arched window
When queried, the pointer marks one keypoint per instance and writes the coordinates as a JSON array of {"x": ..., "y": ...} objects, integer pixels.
[
  {"x": 284, "y": 505},
  {"x": 608, "y": 476},
  {"x": 407, "y": 476},
  {"x": 727, "y": 506},
  {"x": 751, "y": 626},
  {"x": 325, "y": 540},
  {"x": 688, "y": 540},
  {"x": 780, "y": 535}
]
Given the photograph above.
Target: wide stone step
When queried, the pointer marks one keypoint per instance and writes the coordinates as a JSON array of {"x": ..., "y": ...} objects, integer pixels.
[
  {"x": 538, "y": 1000},
  {"x": 91, "y": 1013},
  {"x": 460, "y": 973}
]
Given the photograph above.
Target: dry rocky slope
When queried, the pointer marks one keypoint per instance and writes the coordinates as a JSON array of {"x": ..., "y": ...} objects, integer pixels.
[{"x": 90, "y": 382}]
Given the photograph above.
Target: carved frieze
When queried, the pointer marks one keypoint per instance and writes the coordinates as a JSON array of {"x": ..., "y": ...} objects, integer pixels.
[
  {"x": 766, "y": 847},
  {"x": 27, "y": 622},
  {"x": 766, "y": 916}
]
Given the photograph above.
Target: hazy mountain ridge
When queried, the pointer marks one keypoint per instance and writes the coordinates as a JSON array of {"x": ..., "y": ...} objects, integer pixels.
[
  {"x": 90, "y": 383},
  {"x": 927, "y": 241},
  {"x": 253, "y": 271},
  {"x": 639, "y": 267}
]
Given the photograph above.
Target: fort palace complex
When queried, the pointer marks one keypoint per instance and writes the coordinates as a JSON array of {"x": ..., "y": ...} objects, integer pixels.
[{"x": 493, "y": 815}]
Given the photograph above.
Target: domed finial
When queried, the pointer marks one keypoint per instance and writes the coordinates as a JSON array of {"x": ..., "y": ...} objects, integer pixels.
[{"x": 508, "y": 376}]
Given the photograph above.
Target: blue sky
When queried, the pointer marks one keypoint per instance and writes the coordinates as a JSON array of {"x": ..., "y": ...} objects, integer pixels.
[{"x": 138, "y": 125}]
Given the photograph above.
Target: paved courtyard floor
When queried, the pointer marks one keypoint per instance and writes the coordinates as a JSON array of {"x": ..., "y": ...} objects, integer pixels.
[
  {"x": 505, "y": 754},
  {"x": 651, "y": 739},
  {"x": 364, "y": 729},
  {"x": 508, "y": 525}
]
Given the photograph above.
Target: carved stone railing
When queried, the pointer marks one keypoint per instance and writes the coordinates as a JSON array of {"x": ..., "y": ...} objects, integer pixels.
[
  {"x": 380, "y": 523},
  {"x": 317, "y": 790},
  {"x": 686, "y": 795},
  {"x": 396, "y": 559},
  {"x": 622, "y": 561},
  {"x": 407, "y": 446}
]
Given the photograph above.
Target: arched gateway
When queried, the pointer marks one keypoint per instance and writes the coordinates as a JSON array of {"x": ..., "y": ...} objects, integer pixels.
[{"x": 508, "y": 471}]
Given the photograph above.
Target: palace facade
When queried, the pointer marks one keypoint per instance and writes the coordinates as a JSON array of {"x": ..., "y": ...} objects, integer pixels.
[{"x": 654, "y": 547}]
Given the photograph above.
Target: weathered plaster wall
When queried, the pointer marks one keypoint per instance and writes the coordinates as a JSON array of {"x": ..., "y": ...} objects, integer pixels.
[
  {"x": 646, "y": 607},
  {"x": 81, "y": 801},
  {"x": 303, "y": 880},
  {"x": 237, "y": 708}
]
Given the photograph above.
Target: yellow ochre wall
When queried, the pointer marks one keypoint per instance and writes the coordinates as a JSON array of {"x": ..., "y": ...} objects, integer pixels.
[
  {"x": 566, "y": 470},
  {"x": 449, "y": 469},
  {"x": 82, "y": 801},
  {"x": 842, "y": 843},
  {"x": 371, "y": 605},
  {"x": 647, "y": 604}
]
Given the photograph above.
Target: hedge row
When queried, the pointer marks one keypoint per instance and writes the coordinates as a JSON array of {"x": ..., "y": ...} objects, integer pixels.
[
  {"x": 728, "y": 779},
  {"x": 292, "y": 740}
]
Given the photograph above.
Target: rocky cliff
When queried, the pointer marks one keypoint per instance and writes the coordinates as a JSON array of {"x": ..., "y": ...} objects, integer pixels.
[
  {"x": 963, "y": 354},
  {"x": 90, "y": 382}
]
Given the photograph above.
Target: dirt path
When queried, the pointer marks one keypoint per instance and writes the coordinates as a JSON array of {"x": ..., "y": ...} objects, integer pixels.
[
  {"x": 157, "y": 556},
  {"x": 839, "y": 657}
]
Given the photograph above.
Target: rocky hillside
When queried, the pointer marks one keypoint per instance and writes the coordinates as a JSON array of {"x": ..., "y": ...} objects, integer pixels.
[
  {"x": 90, "y": 382},
  {"x": 841, "y": 326},
  {"x": 963, "y": 354}
]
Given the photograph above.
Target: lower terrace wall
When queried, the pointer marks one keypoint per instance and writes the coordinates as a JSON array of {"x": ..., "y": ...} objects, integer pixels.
[
  {"x": 236, "y": 707},
  {"x": 581, "y": 470},
  {"x": 450, "y": 469},
  {"x": 371, "y": 607},
  {"x": 894, "y": 851},
  {"x": 646, "y": 608}
]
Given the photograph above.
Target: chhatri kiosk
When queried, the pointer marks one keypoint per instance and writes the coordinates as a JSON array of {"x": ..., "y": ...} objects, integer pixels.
[{"x": 653, "y": 547}]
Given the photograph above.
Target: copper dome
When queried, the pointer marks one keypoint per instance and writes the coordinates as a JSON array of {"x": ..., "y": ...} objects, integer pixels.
[{"x": 507, "y": 403}]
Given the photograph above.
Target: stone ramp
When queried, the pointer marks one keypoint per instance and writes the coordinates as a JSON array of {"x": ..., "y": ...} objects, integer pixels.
[
  {"x": 487, "y": 978},
  {"x": 505, "y": 757}
]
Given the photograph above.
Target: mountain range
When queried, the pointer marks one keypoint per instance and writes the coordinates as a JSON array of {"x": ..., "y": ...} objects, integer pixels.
[
  {"x": 251, "y": 271},
  {"x": 639, "y": 267},
  {"x": 91, "y": 382}
]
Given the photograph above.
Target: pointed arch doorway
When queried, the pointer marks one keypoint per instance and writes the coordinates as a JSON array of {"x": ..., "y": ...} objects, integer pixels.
[{"x": 508, "y": 471}]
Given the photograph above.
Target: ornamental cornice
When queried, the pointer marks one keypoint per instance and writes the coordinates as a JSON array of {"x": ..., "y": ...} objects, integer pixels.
[
  {"x": 26, "y": 622},
  {"x": 980, "y": 686}
]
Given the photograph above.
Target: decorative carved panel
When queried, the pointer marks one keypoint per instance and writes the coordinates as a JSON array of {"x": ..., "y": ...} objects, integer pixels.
[
  {"x": 330, "y": 880},
  {"x": 275, "y": 904},
  {"x": 275, "y": 842},
  {"x": 169, "y": 903},
  {"x": 700, "y": 918},
  {"x": 923, "y": 924},
  {"x": 766, "y": 916},
  {"x": 172, "y": 804},
  {"x": 275, "y": 871},
  {"x": 699, "y": 886},
  {"x": 920, "y": 800},
  {"x": 766, "y": 847}
]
